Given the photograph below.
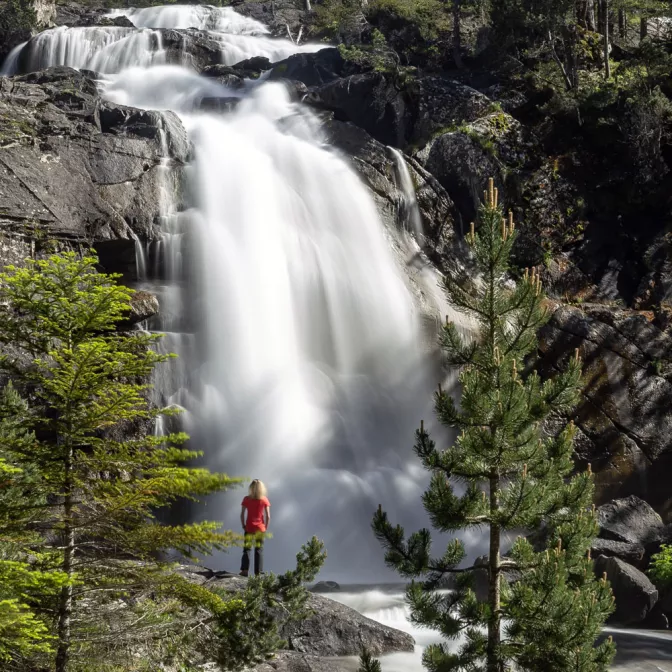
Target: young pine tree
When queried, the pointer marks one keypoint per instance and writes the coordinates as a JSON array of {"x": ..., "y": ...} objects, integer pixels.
[
  {"x": 516, "y": 479},
  {"x": 94, "y": 481}
]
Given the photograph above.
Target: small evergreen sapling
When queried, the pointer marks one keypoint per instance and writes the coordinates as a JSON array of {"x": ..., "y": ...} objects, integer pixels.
[{"x": 516, "y": 478}]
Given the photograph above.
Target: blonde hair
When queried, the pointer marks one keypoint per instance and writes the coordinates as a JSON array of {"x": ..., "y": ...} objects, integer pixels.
[{"x": 257, "y": 489}]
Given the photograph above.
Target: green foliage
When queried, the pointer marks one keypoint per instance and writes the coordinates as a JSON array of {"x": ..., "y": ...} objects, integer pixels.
[
  {"x": 377, "y": 56},
  {"x": 249, "y": 634},
  {"x": 515, "y": 478},
  {"x": 23, "y": 584},
  {"x": 367, "y": 663},
  {"x": 429, "y": 17},
  {"x": 96, "y": 480},
  {"x": 339, "y": 20},
  {"x": 17, "y": 16},
  {"x": 660, "y": 570}
]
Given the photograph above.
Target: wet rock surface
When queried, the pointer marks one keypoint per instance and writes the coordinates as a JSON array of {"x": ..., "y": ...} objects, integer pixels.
[
  {"x": 75, "y": 168},
  {"x": 635, "y": 594}
]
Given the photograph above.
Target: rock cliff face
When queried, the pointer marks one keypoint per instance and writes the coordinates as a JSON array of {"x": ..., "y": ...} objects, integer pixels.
[{"x": 76, "y": 170}]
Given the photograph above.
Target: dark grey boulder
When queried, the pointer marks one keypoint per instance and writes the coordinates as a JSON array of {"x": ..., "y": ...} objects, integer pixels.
[
  {"x": 370, "y": 100},
  {"x": 631, "y": 553},
  {"x": 234, "y": 75},
  {"x": 635, "y": 594},
  {"x": 463, "y": 158},
  {"x": 326, "y": 587},
  {"x": 337, "y": 630},
  {"x": 442, "y": 103},
  {"x": 315, "y": 69},
  {"x": 630, "y": 520}
]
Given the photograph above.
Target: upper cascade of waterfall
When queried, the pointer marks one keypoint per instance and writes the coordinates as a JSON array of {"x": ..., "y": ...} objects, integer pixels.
[
  {"x": 100, "y": 49},
  {"x": 203, "y": 17},
  {"x": 111, "y": 49}
]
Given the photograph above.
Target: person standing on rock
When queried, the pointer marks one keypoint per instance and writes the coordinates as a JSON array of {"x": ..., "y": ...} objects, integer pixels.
[{"x": 258, "y": 510}]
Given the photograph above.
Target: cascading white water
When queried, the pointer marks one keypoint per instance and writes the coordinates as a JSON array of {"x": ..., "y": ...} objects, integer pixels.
[
  {"x": 10, "y": 65},
  {"x": 202, "y": 17},
  {"x": 300, "y": 350},
  {"x": 409, "y": 202},
  {"x": 106, "y": 50}
]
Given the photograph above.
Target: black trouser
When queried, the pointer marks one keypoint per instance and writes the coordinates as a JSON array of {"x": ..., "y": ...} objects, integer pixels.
[{"x": 256, "y": 540}]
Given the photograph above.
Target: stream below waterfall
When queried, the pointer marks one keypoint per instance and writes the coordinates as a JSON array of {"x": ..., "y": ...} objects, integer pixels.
[{"x": 637, "y": 650}]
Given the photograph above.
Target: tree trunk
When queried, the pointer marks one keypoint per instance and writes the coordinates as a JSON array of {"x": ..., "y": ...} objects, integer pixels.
[
  {"x": 590, "y": 15},
  {"x": 607, "y": 65},
  {"x": 457, "y": 37},
  {"x": 65, "y": 602},
  {"x": 622, "y": 24},
  {"x": 494, "y": 664},
  {"x": 643, "y": 28}
]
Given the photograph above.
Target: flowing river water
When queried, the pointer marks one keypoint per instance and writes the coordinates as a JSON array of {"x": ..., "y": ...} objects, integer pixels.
[{"x": 302, "y": 358}]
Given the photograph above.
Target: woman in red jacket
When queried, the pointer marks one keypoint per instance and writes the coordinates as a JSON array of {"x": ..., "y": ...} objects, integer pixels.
[{"x": 258, "y": 510}]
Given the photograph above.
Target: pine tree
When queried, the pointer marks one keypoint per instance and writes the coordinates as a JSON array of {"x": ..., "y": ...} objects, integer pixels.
[
  {"x": 24, "y": 580},
  {"x": 516, "y": 478},
  {"x": 367, "y": 663},
  {"x": 96, "y": 481}
]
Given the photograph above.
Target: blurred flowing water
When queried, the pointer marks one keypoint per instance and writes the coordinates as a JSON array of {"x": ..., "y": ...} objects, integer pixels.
[{"x": 303, "y": 359}]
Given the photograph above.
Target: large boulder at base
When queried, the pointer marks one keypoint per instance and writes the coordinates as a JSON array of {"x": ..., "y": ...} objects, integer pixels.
[
  {"x": 291, "y": 661},
  {"x": 332, "y": 630},
  {"x": 74, "y": 168},
  {"x": 326, "y": 587},
  {"x": 635, "y": 594},
  {"x": 629, "y": 520},
  {"x": 337, "y": 630},
  {"x": 633, "y": 554}
]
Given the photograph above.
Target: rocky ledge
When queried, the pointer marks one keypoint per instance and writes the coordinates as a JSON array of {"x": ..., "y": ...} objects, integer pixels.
[{"x": 315, "y": 644}]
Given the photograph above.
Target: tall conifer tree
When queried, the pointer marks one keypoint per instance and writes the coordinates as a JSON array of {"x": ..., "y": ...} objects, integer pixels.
[
  {"x": 94, "y": 481},
  {"x": 504, "y": 474}
]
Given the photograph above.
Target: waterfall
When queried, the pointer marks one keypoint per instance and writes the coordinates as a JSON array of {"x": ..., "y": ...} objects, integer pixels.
[
  {"x": 105, "y": 49},
  {"x": 300, "y": 353},
  {"x": 202, "y": 17},
  {"x": 10, "y": 65},
  {"x": 408, "y": 200}
]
